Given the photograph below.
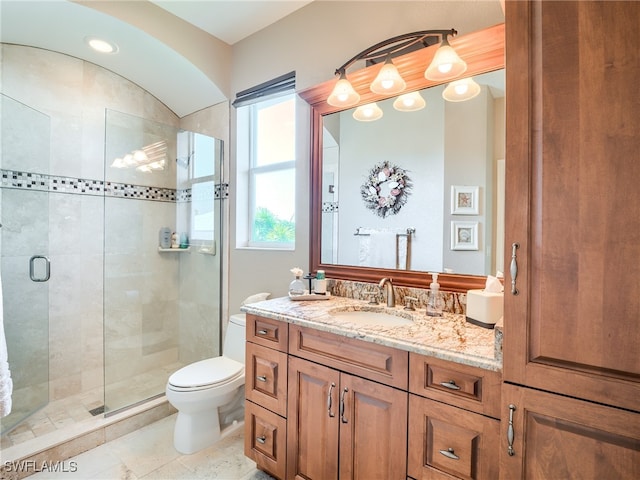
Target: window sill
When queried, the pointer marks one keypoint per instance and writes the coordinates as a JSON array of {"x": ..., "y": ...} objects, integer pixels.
[{"x": 270, "y": 249}]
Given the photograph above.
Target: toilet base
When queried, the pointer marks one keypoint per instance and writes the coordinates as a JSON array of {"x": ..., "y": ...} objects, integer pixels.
[
  {"x": 198, "y": 430},
  {"x": 194, "y": 432}
]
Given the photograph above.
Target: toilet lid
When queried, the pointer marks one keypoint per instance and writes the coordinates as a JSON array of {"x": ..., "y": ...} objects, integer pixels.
[{"x": 207, "y": 373}]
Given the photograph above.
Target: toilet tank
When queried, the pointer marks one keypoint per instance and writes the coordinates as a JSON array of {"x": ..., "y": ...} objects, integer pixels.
[{"x": 234, "y": 338}]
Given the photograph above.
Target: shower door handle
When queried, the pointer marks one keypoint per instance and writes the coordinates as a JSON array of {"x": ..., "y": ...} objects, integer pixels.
[{"x": 32, "y": 269}]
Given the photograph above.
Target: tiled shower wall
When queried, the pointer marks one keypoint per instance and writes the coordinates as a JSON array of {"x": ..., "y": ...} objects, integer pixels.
[{"x": 75, "y": 94}]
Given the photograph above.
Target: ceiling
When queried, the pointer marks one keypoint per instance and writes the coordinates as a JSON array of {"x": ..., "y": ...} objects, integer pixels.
[
  {"x": 231, "y": 21},
  {"x": 61, "y": 26}
]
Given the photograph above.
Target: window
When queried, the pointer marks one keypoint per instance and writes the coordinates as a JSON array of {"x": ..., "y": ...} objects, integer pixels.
[{"x": 266, "y": 145}]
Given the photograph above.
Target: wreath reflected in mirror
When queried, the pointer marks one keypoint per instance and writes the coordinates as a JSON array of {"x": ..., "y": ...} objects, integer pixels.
[{"x": 386, "y": 189}]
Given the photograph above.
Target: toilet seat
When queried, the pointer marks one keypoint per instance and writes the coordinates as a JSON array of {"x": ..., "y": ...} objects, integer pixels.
[{"x": 205, "y": 374}]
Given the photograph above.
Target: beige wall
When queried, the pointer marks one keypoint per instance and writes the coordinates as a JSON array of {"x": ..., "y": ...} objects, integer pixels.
[{"x": 314, "y": 41}]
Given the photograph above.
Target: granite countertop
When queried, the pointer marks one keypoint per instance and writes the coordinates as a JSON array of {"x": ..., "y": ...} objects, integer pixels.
[{"x": 449, "y": 337}]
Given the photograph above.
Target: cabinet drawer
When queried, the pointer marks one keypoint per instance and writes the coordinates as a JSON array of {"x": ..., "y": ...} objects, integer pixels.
[
  {"x": 369, "y": 360},
  {"x": 265, "y": 439},
  {"x": 446, "y": 440},
  {"x": 266, "y": 378},
  {"x": 267, "y": 332},
  {"x": 468, "y": 387}
]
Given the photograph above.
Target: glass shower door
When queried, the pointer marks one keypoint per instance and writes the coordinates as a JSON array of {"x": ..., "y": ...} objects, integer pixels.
[{"x": 24, "y": 249}]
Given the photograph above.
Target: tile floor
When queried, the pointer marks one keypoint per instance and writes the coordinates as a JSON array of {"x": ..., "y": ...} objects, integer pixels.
[
  {"x": 65, "y": 414},
  {"x": 148, "y": 453}
]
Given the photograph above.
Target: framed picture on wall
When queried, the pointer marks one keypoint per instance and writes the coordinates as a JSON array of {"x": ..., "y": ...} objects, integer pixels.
[
  {"x": 464, "y": 235},
  {"x": 464, "y": 200}
]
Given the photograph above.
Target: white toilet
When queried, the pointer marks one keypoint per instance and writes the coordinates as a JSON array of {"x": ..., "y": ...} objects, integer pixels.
[{"x": 209, "y": 394}]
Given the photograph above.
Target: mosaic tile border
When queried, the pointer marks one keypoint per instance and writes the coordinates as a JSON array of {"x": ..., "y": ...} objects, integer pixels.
[
  {"x": 330, "y": 207},
  {"x": 53, "y": 183}
]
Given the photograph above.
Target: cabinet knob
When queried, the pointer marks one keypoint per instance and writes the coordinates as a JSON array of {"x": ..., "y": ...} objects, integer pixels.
[
  {"x": 449, "y": 453},
  {"x": 262, "y": 332},
  {"x": 261, "y": 439},
  {"x": 261, "y": 378}
]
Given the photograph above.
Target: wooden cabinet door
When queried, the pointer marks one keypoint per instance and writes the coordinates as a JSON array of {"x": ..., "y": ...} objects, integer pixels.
[
  {"x": 573, "y": 177},
  {"x": 557, "y": 437},
  {"x": 373, "y": 430},
  {"x": 312, "y": 423}
]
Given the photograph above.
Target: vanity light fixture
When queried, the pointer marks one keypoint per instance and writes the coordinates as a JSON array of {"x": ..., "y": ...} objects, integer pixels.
[
  {"x": 446, "y": 64},
  {"x": 368, "y": 113},
  {"x": 409, "y": 102},
  {"x": 461, "y": 90}
]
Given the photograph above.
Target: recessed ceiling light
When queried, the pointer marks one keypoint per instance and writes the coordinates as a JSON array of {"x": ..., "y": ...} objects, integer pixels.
[{"x": 102, "y": 46}]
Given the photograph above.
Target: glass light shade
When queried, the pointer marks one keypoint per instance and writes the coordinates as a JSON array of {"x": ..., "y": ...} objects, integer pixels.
[
  {"x": 446, "y": 64},
  {"x": 368, "y": 112},
  {"x": 409, "y": 102},
  {"x": 461, "y": 90},
  {"x": 343, "y": 94},
  {"x": 388, "y": 81}
]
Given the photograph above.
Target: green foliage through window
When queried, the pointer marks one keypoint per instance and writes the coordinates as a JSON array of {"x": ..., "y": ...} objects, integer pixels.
[{"x": 267, "y": 227}]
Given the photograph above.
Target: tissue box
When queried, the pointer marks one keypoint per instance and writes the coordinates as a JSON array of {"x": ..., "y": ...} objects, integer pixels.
[{"x": 484, "y": 308}]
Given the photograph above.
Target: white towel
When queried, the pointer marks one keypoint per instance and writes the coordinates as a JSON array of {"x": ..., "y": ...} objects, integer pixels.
[
  {"x": 378, "y": 249},
  {"x": 6, "y": 384}
]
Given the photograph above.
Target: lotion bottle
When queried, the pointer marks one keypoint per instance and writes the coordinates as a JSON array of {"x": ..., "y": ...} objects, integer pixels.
[
  {"x": 320, "y": 285},
  {"x": 435, "y": 302}
]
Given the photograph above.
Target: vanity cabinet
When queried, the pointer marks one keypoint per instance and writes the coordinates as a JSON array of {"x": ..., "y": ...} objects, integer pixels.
[
  {"x": 455, "y": 427},
  {"x": 572, "y": 300},
  {"x": 325, "y": 406},
  {"x": 341, "y": 425}
]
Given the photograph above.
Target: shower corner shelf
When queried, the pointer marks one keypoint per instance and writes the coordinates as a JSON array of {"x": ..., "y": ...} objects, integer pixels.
[{"x": 174, "y": 250}]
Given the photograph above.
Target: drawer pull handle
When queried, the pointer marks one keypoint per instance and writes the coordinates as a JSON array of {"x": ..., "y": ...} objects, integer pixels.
[
  {"x": 513, "y": 269},
  {"x": 261, "y": 378},
  {"x": 261, "y": 439},
  {"x": 262, "y": 332},
  {"x": 451, "y": 385},
  {"x": 510, "y": 431},
  {"x": 343, "y": 418},
  {"x": 450, "y": 454},
  {"x": 330, "y": 400}
]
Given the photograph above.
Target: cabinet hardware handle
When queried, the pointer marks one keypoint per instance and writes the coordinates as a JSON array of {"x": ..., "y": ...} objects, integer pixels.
[
  {"x": 344, "y": 392},
  {"x": 47, "y": 268},
  {"x": 330, "y": 400},
  {"x": 450, "y": 454},
  {"x": 261, "y": 378},
  {"x": 514, "y": 268},
  {"x": 510, "y": 432},
  {"x": 261, "y": 439},
  {"x": 451, "y": 384},
  {"x": 262, "y": 332}
]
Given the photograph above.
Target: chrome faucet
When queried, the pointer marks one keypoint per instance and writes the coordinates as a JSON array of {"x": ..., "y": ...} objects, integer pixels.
[{"x": 387, "y": 284}]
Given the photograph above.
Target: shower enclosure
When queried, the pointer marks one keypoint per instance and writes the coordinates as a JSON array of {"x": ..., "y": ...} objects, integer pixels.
[{"x": 96, "y": 314}]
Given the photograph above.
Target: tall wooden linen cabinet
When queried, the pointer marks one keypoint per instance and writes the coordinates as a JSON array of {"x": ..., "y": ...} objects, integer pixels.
[{"x": 572, "y": 299}]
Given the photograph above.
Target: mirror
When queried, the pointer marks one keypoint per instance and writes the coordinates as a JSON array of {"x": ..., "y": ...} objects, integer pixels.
[
  {"x": 435, "y": 173},
  {"x": 445, "y": 216}
]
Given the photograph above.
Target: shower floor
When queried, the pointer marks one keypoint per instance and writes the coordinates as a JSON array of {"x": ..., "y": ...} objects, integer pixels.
[{"x": 61, "y": 419}]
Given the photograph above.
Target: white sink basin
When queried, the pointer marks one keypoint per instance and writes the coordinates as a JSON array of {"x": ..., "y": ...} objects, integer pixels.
[{"x": 365, "y": 317}]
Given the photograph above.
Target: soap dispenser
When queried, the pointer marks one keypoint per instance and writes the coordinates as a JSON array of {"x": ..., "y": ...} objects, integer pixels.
[{"x": 435, "y": 302}]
